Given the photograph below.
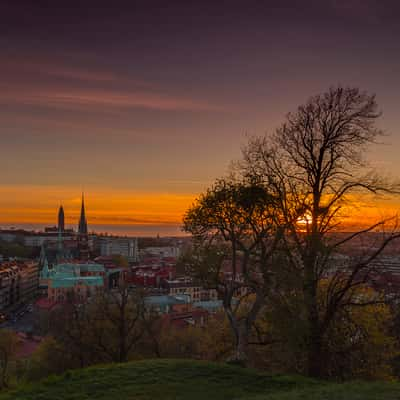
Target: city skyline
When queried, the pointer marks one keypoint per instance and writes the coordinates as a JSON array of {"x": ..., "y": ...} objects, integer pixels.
[
  {"x": 143, "y": 106},
  {"x": 101, "y": 217}
]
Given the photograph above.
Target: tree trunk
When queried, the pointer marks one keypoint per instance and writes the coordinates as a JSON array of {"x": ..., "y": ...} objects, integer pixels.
[
  {"x": 240, "y": 352},
  {"x": 242, "y": 344},
  {"x": 314, "y": 345},
  {"x": 122, "y": 356},
  {"x": 240, "y": 331},
  {"x": 313, "y": 335},
  {"x": 315, "y": 356}
]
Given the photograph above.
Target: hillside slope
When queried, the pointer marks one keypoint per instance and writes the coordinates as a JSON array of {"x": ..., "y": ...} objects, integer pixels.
[{"x": 181, "y": 379}]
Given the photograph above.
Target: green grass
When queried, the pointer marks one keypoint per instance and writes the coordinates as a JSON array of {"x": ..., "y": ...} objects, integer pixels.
[
  {"x": 346, "y": 391},
  {"x": 191, "y": 380}
]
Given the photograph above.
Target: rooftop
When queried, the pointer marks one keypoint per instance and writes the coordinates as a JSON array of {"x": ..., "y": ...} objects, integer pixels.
[
  {"x": 165, "y": 300},
  {"x": 68, "y": 282}
]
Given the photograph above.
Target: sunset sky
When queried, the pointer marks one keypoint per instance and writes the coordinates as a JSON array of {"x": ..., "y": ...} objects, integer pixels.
[{"x": 143, "y": 104}]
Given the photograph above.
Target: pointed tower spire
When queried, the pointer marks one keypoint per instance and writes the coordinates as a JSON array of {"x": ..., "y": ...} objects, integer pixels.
[
  {"x": 82, "y": 228},
  {"x": 83, "y": 246},
  {"x": 61, "y": 220}
]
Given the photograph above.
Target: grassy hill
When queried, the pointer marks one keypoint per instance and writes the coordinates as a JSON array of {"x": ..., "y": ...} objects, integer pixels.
[{"x": 181, "y": 379}]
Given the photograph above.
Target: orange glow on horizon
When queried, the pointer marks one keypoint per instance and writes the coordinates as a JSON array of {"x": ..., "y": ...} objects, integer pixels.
[
  {"x": 39, "y": 205},
  {"x": 22, "y": 204}
]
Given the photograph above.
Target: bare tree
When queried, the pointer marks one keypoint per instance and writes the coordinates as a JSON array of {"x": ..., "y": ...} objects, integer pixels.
[
  {"x": 71, "y": 324},
  {"x": 104, "y": 329},
  {"x": 71, "y": 327},
  {"x": 117, "y": 322},
  {"x": 314, "y": 165},
  {"x": 235, "y": 224}
]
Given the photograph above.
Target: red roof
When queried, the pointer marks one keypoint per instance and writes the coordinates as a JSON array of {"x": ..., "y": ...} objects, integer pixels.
[{"x": 45, "y": 303}]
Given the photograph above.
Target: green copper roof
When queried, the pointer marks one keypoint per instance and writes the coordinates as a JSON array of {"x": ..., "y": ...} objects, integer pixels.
[
  {"x": 68, "y": 275},
  {"x": 163, "y": 303},
  {"x": 63, "y": 275},
  {"x": 210, "y": 305},
  {"x": 76, "y": 268},
  {"x": 71, "y": 269},
  {"x": 76, "y": 280}
]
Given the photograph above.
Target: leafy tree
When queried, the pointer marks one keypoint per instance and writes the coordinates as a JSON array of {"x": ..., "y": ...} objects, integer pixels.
[
  {"x": 359, "y": 343},
  {"x": 212, "y": 341},
  {"x": 236, "y": 232}
]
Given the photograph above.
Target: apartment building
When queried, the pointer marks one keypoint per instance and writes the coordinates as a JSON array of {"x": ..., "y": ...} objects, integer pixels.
[
  {"x": 123, "y": 246},
  {"x": 19, "y": 282}
]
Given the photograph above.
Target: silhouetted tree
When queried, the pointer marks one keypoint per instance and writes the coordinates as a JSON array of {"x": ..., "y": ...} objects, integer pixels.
[
  {"x": 236, "y": 232},
  {"x": 314, "y": 165}
]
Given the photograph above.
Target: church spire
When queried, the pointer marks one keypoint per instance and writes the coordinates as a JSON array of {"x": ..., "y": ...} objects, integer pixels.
[
  {"x": 83, "y": 246},
  {"x": 61, "y": 220},
  {"x": 82, "y": 228}
]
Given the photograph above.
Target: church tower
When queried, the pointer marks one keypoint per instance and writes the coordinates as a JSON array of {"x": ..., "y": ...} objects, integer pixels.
[
  {"x": 83, "y": 245},
  {"x": 61, "y": 220}
]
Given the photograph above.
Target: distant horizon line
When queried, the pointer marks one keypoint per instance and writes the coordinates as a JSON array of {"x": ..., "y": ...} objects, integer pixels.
[
  {"x": 145, "y": 230},
  {"x": 162, "y": 229}
]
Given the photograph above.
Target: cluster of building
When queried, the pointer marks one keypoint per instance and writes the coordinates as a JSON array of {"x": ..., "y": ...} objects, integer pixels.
[
  {"x": 77, "y": 264},
  {"x": 76, "y": 245},
  {"x": 77, "y": 280},
  {"x": 19, "y": 281}
]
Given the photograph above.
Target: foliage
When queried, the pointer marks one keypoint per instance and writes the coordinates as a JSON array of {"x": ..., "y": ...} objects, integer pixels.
[
  {"x": 51, "y": 357},
  {"x": 359, "y": 344},
  {"x": 236, "y": 232},
  {"x": 212, "y": 342}
]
